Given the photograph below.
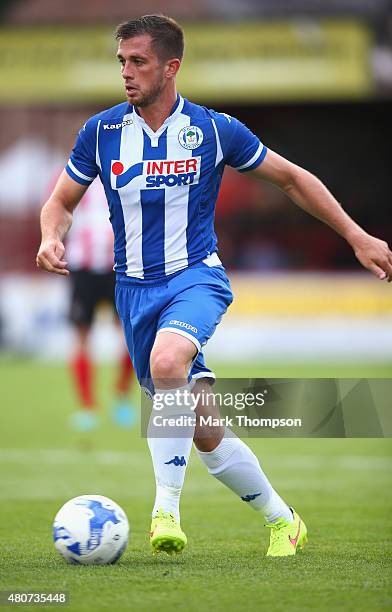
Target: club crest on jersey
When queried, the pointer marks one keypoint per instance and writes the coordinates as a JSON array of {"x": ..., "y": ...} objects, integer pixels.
[
  {"x": 190, "y": 137},
  {"x": 157, "y": 173}
]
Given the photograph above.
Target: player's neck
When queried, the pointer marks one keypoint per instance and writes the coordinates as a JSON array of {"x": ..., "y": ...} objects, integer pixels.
[{"x": 155, "y": 114}]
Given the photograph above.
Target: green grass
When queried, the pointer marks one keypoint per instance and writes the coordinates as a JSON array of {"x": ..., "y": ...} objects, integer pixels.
[{"x": 341, "y": 487}]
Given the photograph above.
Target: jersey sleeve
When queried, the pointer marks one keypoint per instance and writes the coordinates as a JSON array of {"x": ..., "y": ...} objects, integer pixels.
[
  {"x": 242, "y": 150},
  {"x": 82, "y": 166}
]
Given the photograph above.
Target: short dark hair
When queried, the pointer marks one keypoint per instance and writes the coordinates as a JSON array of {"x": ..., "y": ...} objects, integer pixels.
[{"x": 166, "y": 34}]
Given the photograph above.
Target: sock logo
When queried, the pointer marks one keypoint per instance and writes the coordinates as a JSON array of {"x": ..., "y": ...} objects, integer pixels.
[
  {"x": 248, "y": 498},
  {"x": 178, "y": 461}
]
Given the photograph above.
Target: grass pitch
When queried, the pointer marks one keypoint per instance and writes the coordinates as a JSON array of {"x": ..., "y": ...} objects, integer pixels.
[{"x": 342, "y": 488}]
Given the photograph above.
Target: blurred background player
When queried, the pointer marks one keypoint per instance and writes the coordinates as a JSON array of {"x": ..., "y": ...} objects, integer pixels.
[{"x": 90, "y": 256}]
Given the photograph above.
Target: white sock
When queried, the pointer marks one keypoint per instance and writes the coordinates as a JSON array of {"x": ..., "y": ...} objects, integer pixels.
[
  {"x": 170, "y": 454},
  {"x": 235, "y": 465}
]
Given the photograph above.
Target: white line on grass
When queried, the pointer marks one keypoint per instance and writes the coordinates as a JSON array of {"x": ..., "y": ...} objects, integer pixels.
[
  {"x": 71, "y": 457},
  {"x": 66, "y": 456}
]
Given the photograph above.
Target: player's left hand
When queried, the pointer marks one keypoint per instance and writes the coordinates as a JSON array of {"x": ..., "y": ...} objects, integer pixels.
[{"x": 374, "y": 254}]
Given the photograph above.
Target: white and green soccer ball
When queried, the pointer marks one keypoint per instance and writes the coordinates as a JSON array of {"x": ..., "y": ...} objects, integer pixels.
[{"x": 91, "y": 530}]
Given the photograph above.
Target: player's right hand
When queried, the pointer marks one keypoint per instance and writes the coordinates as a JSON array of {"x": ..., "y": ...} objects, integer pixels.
[
  {"x": 50, "y": 257},
  {"x": 374, "y": 254}
]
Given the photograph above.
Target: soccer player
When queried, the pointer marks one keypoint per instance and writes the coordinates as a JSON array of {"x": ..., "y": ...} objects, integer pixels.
[
  {"x": 89, "y": 247},
  {"x": 161, "y": 160}
]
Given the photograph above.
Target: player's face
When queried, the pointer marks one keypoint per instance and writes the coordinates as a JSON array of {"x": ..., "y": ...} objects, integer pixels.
[{"x": 141, "y": 70}]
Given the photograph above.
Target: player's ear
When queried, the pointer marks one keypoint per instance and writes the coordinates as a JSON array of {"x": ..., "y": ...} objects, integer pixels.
[{"x": 172, "y": 67}]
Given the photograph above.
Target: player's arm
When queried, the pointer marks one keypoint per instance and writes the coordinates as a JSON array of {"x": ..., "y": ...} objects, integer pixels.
[
  {"x": 56, "y": 219},
  {"x": 308, "y": 192}
]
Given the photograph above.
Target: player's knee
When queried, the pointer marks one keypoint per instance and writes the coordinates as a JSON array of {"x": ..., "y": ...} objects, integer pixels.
[{"x": 166, "y": 365}]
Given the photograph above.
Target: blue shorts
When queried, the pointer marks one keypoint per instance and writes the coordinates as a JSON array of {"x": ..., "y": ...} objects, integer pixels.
[{"x": 190, "y": 303}]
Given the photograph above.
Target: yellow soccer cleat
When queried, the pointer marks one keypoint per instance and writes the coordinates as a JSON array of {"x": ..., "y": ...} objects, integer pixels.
[
  {"x": 166, "y": 534},
  {"x": 287, "y": 537}
]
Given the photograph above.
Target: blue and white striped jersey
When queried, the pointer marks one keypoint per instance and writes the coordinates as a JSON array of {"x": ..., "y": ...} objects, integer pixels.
[{"x": 162, "y": 186}]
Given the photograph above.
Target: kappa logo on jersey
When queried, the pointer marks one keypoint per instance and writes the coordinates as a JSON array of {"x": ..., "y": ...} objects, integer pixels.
[
  {"x": 117, "y": 126},
  {"x": 190, "y": 137},
  {"x": 158, "y": 173}
]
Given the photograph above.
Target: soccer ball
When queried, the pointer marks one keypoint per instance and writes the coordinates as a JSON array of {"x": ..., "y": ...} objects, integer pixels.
[{"x": 91, "y": 530}]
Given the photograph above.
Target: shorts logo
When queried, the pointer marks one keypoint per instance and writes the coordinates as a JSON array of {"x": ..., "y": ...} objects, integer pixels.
[
  {"x": 184, "y": 325},
  {"x": 190, "y": 137},
  {"x": 157, "y": 173}
]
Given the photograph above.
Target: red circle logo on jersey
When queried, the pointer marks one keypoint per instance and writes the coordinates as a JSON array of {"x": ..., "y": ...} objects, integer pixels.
[{"x": 117, "y": 168}]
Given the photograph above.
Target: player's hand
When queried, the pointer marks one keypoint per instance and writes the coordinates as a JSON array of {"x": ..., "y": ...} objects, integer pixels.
[
  {"x": 374, "y": 254},
  {"x": 50, "y": 257}
]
